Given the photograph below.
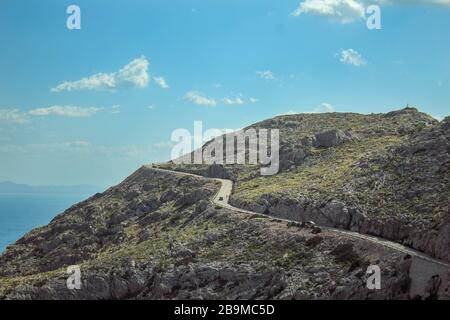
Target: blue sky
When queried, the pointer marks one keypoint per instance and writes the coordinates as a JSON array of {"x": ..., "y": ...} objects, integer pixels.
[{"x": 90, "y": 106}]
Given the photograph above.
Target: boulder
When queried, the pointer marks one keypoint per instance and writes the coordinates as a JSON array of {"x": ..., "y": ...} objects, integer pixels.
[{"x": 330, "y": 138}]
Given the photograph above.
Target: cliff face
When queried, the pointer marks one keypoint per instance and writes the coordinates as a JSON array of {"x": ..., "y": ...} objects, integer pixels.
[
  {"x": 386, "y": 175},
  {"x": 158, "y": 236}
]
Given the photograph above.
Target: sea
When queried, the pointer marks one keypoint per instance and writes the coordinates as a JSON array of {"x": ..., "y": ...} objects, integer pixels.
[{"x": 20, "y": 213}]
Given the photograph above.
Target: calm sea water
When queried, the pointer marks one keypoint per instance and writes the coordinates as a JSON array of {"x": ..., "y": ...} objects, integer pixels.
[{"x": 20, "y": 213}]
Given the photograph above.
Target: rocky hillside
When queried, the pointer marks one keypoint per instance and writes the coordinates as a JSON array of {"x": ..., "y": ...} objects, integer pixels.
[
  {"x": 386, "y": 175},
  {"x": 157, "y": 236}
]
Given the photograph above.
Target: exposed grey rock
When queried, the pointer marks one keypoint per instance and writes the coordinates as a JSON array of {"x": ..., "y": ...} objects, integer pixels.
[
  {"x": 213, "y": 253},
  {"x": 330, "y": 138}
]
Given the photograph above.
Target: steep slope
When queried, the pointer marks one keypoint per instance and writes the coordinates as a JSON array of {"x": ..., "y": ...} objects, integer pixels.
[
  {"x": 380, "y": 174},
  {"x": 157, "y": 236}
]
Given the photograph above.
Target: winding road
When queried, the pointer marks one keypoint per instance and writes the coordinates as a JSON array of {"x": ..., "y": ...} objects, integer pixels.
[{"x": 424, "y": 264}]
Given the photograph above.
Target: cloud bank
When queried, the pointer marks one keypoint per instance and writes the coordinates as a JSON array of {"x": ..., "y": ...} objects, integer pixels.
[
  {"x": 13, "y": 115},
  {"x": 22, "y": 117},
  {"x": 65, "y": 111}
]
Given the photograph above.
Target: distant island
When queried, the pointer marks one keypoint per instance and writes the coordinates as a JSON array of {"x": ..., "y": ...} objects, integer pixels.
[{"x": 8, "y": 187}]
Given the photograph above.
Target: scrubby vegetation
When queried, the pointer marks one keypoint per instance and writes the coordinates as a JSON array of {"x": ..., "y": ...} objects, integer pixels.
[
  {"x": 381, "y": 174},
  {"x": 158, "y": 235},
  {"x": 180, "y": 246}
]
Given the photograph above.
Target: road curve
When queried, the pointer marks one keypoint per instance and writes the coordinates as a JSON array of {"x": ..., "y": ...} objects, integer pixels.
[{"x": 222, "y": 198}]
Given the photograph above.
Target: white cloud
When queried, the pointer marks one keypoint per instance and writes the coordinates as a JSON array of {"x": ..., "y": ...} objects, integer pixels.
[
  {"x": 351, "y": 57},
  {"x": 22, "y": 117},
  {"x": 134, "y": 74},
  {"x": 266, "y": 74},
  {"x": 347, "y": 11},
  {"x": 199, "y": 99},
  {"x": 13, "y": 115},
  {"x": 230, "y": 101},
  {"x": 100, "y": 81},
  {"x": 238, "y": 100},
  {"x": 344, "y": 11},
  {"x": 115, "y": 109},
  {"x": 160, "y": 81},
  {"x": 65, "y": 111},
  {"x": 287, "y": 113},
  {"x": 323, "y": 107}
]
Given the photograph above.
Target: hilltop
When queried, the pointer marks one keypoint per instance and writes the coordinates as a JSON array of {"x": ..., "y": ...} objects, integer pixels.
[{"x": 386, "y": 175}]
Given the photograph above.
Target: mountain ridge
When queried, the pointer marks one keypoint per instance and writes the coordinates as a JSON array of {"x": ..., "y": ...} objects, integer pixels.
[
  {"x": 158, "y": 235},
  {"x": 357, "y": 172}
]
